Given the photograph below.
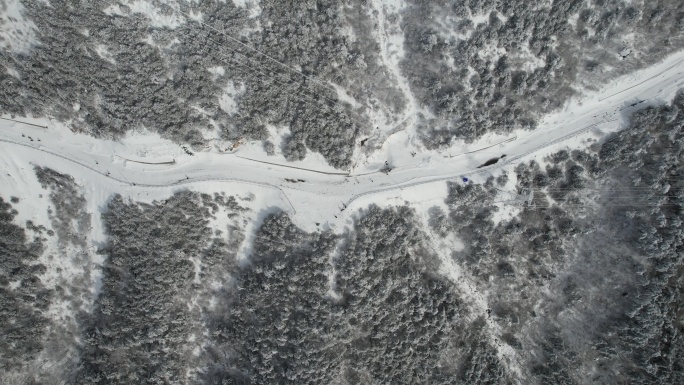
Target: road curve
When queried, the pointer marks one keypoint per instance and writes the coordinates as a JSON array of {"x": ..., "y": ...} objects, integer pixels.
[{"x": 605, "y": 111}]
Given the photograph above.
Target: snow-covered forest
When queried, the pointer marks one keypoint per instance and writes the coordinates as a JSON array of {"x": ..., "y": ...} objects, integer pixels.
[{"x": 323, "y": 192}]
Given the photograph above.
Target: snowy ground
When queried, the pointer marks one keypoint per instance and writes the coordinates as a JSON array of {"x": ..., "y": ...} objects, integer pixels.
[
  {"x": 146, "y": 167},
  {"x": 16, "y": 33},
  {"x": 310, "y": 190}
]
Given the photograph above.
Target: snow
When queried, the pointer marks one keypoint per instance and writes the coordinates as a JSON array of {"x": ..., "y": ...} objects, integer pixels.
[
  {"x": 391, "y": 42},
  {"x": 526, "y": 60},
  {"x": 16, "y": 32},
  {"x": 13, "y": 72},
  {"x": 594, "y": 115},
  {"x": 480, "y": 19},
  {"x": 67, "y": 264},
  {"x": 145, "y": 167},
  {"x": 158, "y": 18},
  {"x": 252, "y": 5},
  {"x": 217, "y": 71},
  {"x": 344, "y": 97},
  {"x": 475, "y": 298},
  {"x": 104, "y": 53},
  {"x": 507, "y": 201},
  {"x": 228, "y": 100},
  {"x": 18, "y": 180},
  {"x": 321, "y": 197}
]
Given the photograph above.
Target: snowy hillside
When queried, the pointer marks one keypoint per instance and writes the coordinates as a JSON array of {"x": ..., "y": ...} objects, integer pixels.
[{"x": 315, "y": 192}]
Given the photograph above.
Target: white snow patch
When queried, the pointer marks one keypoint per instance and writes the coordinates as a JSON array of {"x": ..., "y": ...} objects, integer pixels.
[
  {"x": 507, "y": 201},
  {"x": 16, "y": 32},
  {"x": 217, "y": 71},
  {"x": 102, "y": 51},
  {"x": 572, "y": 20},
  {"x": 344, "y": 97},
  {"x": 13, "y": 72},
  {"x": 18, "y": 180},
  {"x": 228, "y": 100},
  {"x": 252, "y": 5},
  {"x": 114, "y": 9},
  {"x": 158, "y": 18},
  {"x": 348, "y": 31},
  {"x": 527, "y": 60},
  {"x": 482, "y": 18}
]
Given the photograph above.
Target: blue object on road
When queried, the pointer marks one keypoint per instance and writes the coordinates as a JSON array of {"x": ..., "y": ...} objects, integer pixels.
[{"x": 465, "y": 180}]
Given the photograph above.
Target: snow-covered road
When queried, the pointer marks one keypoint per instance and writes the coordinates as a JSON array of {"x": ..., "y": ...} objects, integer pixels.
[{"x": 319, "y": 196}]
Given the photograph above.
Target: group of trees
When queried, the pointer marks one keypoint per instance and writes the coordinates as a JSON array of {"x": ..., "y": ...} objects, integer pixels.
[
  {"x": 476, "y": 359},
  {"x": 65, "y": 76},
  {"x": 647, "y": 158},
  {"x": 70, "y": 219},
  {"x": 24, "y": 299},
  {"x": 71, "y": 276},
  {"x": 139, "y": 329},
  {"x": 603, "y": 235},
  {"x": 304, "y": 308},
  {"x": 399, "y": 314},
  {"x": 274, "y": 324},
  {"x": 176, "y": 306},
  {"x": 105, "y": 70},
  {"x": 367, "y": 305},
  {"x": 43, "y": 303},
  {"x": 524, "y": 58},
  {"x": 156, "y": 253},
  {"x": 374, "y": 312}
]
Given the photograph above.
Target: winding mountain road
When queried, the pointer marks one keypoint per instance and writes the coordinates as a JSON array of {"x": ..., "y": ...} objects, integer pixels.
[{"x": 330, "y": 192}]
